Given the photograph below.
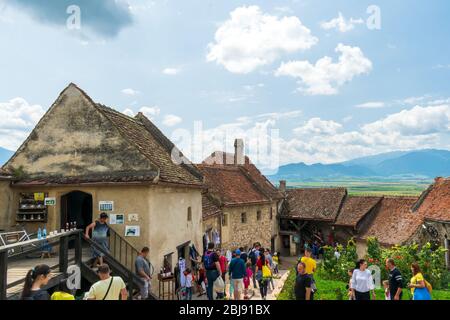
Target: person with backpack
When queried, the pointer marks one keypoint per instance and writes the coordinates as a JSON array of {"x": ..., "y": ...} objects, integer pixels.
[
  {"x": 263, "y": 273},
  {"x": 213, "y": 270},
  {"x": 108, "y": 288},
  {"x": 253, "y": 256},
  {"x": 237, "y": 271},
  {"x": 35, "y": 279},
  {"x": 100, "y": 234},
  {"x": 395, "y": 280},
  {"x": 420, "y": 288}
]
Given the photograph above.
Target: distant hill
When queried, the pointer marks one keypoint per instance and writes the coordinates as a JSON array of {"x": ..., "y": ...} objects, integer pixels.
[
  {"x": 419, "y": 164},
  {"x": 5, "y": 154}
]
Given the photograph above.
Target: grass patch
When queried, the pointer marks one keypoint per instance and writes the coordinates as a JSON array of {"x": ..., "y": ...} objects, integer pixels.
[{"x": 336, "y": 290}]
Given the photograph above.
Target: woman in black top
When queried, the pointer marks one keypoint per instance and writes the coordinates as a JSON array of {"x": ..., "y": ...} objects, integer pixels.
[{"x": 36, "y": 278}]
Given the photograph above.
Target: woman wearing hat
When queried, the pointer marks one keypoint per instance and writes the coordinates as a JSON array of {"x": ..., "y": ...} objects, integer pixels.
[{"x": 100, "y": 234}]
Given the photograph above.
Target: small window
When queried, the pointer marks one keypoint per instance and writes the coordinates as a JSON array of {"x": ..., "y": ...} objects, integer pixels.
[
  {"x": 258, "y": 215},
  {"x": 224, "y": 220},
  {"x": 189, "y": 214},
  {"x": 271, "y": 213},
  {"x": 244, "y": 217}
]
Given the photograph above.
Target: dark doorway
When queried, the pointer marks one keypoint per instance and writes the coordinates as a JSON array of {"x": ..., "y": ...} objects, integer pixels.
[
  {"x": 286, "y": 245},
  {"x": 76, "y": 207}
]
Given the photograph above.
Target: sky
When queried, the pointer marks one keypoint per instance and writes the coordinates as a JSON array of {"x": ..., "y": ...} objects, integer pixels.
[{"x": 299, "y": 80}]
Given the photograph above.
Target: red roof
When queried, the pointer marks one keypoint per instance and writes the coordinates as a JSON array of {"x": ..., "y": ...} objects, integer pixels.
[
  {"x": 209, "y": 207},
  {"x": 314, "y": 203},
  {"x": 231, "y": 185},
  {"x": 355, "y": 208},
  {"x": 394, "y": 222},
  {"x": 434, "y": 203}
]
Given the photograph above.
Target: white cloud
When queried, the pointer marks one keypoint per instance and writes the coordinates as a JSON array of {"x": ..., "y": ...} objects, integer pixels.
[
  {"x": 149, "y": 112},
  {"x": 251, "y": 39},
  {"x": 130, "y": 92},
  {"x": 371, "y": 105},
  {"x": 326, "y": 76},
  {"x": 171, "y": 120},
  {"x": 128, "y": 112},
  {"x": 319, "y": 140},
  {"x": 317, "y": 126},
  {"x": 416, "y": 121},
  {"x": 171, "y": 71},
  {"x": 341, "y": 24},
  {"x": 17, "y": 119}
]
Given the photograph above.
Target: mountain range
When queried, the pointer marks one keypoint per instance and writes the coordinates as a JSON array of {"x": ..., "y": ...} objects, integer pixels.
[{"x": 427, "y": 163}]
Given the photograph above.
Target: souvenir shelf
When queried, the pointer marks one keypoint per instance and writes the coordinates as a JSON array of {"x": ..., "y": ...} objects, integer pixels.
[{"x": 30, "y": 209}]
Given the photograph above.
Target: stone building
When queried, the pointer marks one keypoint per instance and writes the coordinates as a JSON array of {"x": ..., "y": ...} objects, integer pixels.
[
  {"x": 307, "y": 215},
  {"x": 86, "y": 158},
  {"x": 330, "y": 215},
  {"x": 239, "y": 204}
]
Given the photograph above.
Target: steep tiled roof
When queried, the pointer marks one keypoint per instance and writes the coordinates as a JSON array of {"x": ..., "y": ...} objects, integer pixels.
[
  {"x": 138, "y": 134},
  {"x": 435, "y": 202},
  {"x": 220, "y": 158},
  {"x": 209, "y": 208},
  {"x": 314, "y": 203},
  {"x": 231, "y": 185},
  {"x": 394, "y": 222},
  {"x": 354, "y": 209},
  {"x": 153, "y": 144}
]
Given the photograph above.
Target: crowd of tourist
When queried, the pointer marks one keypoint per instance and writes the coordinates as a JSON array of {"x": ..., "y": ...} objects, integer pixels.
[
  {"x": 241, "y": 269},
  {"x": 361, "y": 284}
]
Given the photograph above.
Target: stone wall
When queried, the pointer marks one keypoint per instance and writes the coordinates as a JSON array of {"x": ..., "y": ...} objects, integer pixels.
[{"x": 237, "y": 234}]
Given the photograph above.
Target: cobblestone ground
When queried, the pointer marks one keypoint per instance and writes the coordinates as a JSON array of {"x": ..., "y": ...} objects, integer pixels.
[{"x": 272, "y": 292}]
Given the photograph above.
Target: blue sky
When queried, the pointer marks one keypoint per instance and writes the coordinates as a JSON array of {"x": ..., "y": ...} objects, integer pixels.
[{"x": 313, "y": 70}]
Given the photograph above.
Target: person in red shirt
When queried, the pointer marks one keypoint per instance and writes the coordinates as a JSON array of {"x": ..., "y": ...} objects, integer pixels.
[{"x": 223, "y": 265}]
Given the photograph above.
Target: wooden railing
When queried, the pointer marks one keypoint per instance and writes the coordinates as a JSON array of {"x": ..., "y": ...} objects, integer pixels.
[
  {"x": 122, "y": 266},
  {"x": 60, "y": 240},
  {"x": 123, "y": 251}
]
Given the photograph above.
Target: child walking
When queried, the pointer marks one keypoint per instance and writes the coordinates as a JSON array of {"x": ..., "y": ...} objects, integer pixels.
[
  {"x": 275, "y": 262},
  {"x": 247, "y": 277},
  {"x": 387, "y": 292},
  {"x": 189, "y": 281}
]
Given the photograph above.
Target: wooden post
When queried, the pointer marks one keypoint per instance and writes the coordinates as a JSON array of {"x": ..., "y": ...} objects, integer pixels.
[
  {"x": 3, "y": 274},
  {"x": 78, "y": 249},
  {"x": 63, "y": 254}
]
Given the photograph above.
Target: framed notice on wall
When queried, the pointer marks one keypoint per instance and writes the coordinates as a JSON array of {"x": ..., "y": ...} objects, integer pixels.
[
  {"x": 50, "y": 201},
  {"x": 106, "y": 205},
  {"x": 132, "y": 231},
  {"x": 116, "y": 219}
]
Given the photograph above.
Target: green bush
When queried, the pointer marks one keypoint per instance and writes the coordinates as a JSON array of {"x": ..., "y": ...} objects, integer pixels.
[{"x": 430, "y": 258}]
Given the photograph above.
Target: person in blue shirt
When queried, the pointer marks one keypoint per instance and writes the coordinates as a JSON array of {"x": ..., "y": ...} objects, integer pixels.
[{"x": 237, "y": 271}]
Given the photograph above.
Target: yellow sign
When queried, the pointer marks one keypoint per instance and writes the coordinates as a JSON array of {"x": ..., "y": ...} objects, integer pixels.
[{"x": 39, "y": 196}]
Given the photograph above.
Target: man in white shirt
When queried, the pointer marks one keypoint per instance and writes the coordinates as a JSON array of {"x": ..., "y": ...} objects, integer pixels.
[{"x": 108, "y": 288}]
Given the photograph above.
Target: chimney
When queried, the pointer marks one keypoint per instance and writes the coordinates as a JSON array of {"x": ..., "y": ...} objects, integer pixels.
[
  {"x": 282, "y": 186},
  {"x": 239, "y": 152}
]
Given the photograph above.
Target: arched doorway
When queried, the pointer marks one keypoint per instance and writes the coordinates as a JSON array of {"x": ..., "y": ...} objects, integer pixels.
[{"x": 76, "y": 207}]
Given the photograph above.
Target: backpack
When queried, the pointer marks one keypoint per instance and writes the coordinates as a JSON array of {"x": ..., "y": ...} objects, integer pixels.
[
  {"x": 252, "y": 256},
  {"x": 208, "y": 260}
]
